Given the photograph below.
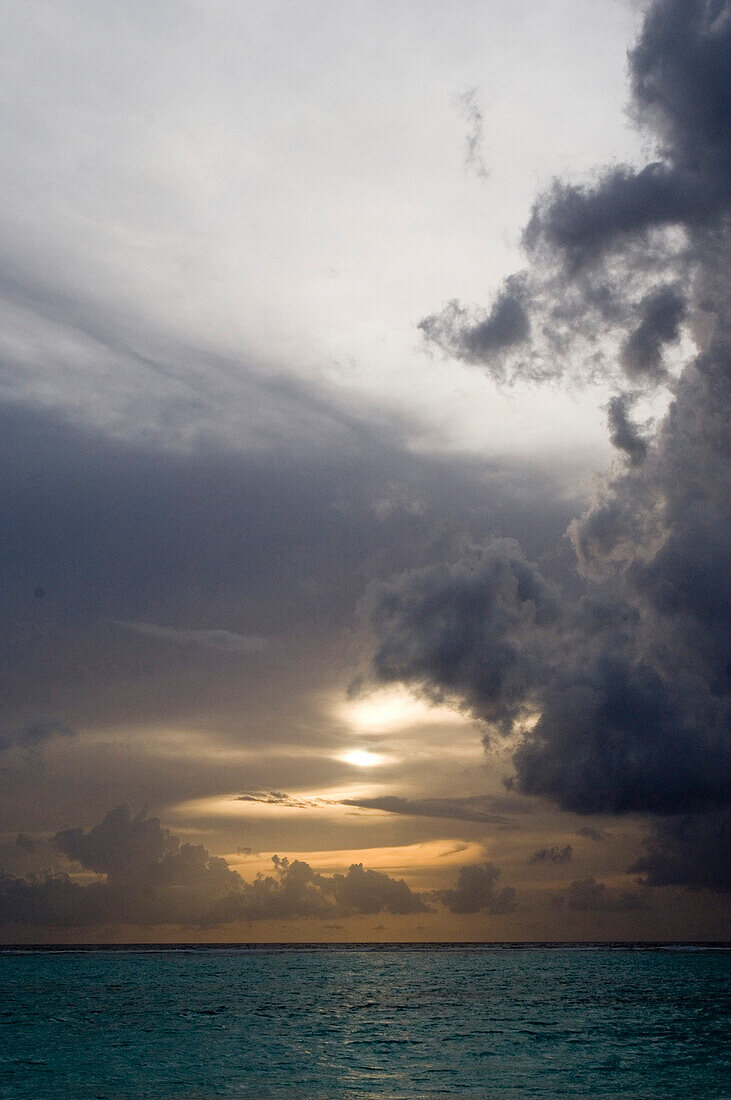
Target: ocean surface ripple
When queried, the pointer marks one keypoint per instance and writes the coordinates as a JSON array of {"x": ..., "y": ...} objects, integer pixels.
[{"x": 363, "y": 1022}]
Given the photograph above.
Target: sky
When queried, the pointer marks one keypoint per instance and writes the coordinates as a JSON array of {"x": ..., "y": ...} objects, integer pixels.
[{"x": 364, "y": 394}]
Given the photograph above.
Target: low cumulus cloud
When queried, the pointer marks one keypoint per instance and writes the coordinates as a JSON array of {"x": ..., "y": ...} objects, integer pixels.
[
  {"x": 477, "y": 892},
  {"x": 589, "y": 896},
  {"x": 614, "y": 686},
  {"x": 147, "y": 876}
]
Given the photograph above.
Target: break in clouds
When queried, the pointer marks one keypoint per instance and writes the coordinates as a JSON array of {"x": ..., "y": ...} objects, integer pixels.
[{"x": 617, "y": 699}]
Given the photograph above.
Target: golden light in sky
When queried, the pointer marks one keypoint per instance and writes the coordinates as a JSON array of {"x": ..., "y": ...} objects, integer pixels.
[
  {"x": 361, "y": 758},
  {"x": 393, "y": 709}
]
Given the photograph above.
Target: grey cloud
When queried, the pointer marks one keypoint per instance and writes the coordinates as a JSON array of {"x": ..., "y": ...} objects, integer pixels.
[
  {"x": 476, "y": 891},
  {"x": 692, "y": 851},
  {"x": 280, "y": 798},
  {"x": 466, "y": 629},
  {"x": 29, "y": 858},
  {"x": 614, "y": 731},
  {"x": 591, "y": 833},
  {"x": 269, "y": 798},
  {"x": 618, "y": 733},
  {"x": 262, "y": 545},
  {"x": 468, "y": 104},
  {"x": 582, "y": 223},
  {"x": 32, "y": 734},
  {"x": 623, "y": 433},
  {"x": 477, "y": 808},
  {"x": 553, "y": 854},
  {"x": 150, "y": 877},
  {"x": 296, "y": 890},
  {"x": 661, "y": 312},
  {"x": 365, "y": 891},
  {"x": 609, "y": 256},
  {"x": 627, "y": 667},
  {"x": 225, "y": 640},
  {"x": 135, "y": 852},
  {"x": 678, "y": 70},
  {"x": 476, "y": 338},
  {"x": 589, "y": 896}
]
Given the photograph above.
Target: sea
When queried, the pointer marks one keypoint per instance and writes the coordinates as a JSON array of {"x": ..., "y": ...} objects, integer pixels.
[{"x": 364, "y": 1020}]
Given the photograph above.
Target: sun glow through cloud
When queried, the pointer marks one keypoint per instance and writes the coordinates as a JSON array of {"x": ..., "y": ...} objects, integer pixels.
[
  {"x": 361, "y": 758},
  {"x": 393, "y": 709}
]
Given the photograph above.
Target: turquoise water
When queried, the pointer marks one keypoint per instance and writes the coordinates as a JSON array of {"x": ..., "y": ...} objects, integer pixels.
[{"x": 358, "y": 1022}]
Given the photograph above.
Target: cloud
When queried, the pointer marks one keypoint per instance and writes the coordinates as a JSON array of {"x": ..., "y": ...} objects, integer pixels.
[
  {"x": 589, "y": 896},
  {"x": 468, "y": 105},
  {"x": 692, "y": 851},
  {"x": 613, "y": 686},
  {"x": 33, "y": 733},
  {"x": 477, "y": 336},
  {"x": 149, "y": 877},
  {"x": 262, "y": 545},
  {"x": 552, "y": 855},
  {"x": 622, "y": 432},
  {"x": 225, "y": 640},
  {"x": 476, "y": 808},
  {"x": 466, "y": 629},
  {"x": 601, "y": 293},
  {"x": 614, "y": 731},
  {"x": 661, "y": 311},
  {"x": 476, "y": 892},
  {"x": 591, "y": 833},
  {"x": 280, "y": 798}
]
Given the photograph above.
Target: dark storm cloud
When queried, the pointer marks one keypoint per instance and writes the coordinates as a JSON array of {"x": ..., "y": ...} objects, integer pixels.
[
  {"x": 164, "y": 569},
  {"x": 479, "y": 808},
  {"x": 150, "y": 877},
  {"x": 630, "y": 683},
  {"x": 591, "y": 833},
  {"x": 661, "y": 314},
  {"x": 476, "y": 892},
  {"x": 616, "y": 735},
  {"x": 466, "y": 630},
  {"x": 692, "y": 851},
  {"x": 589, "y": 896},
  {"x": 606, "y": 258},
  {"x": 623, "y": 433},
  {"x": 553, "y": 854},
  {"x": 679, "y": 76},
  {"x": 477, "y": 337}
]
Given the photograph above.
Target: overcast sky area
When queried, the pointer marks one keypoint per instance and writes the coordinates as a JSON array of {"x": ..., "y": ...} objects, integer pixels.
[{"x": 364, "y": 403}]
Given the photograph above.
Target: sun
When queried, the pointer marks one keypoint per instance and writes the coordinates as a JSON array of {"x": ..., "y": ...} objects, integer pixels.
[{"x": 361, "y": 758}]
